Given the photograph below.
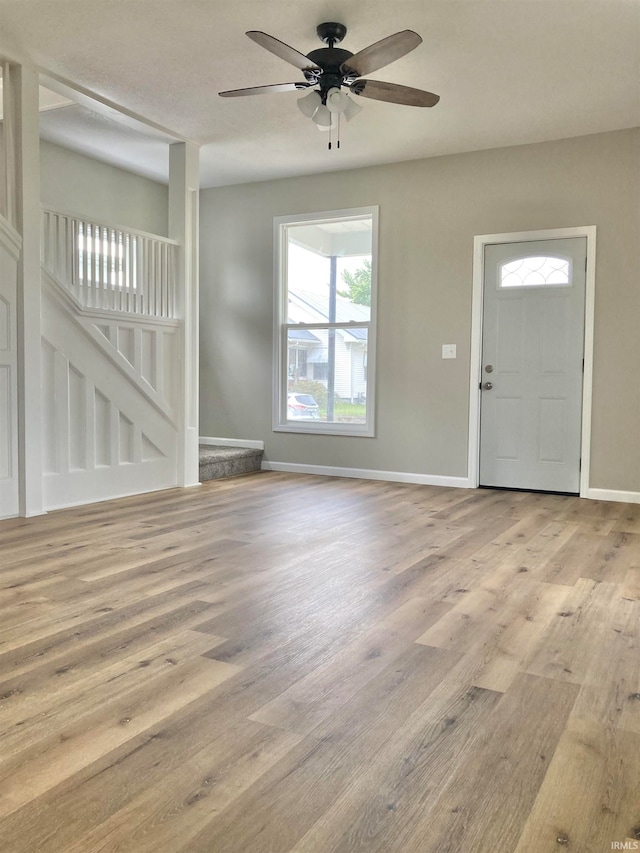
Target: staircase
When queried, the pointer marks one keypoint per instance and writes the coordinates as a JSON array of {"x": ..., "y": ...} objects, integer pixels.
[
  {"x": 217, "y": 462},
  {"x": 111, "y": 340}
]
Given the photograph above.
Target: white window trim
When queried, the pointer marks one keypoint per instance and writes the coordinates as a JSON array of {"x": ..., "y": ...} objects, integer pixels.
[{"x": 279, "y": 372}]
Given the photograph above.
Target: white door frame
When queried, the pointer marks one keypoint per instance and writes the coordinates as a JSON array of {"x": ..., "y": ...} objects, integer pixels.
[{"x": 588, "y": 231}]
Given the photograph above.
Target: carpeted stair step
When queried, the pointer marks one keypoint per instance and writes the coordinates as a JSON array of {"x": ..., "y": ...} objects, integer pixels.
[{"x": 217, "y": 462}]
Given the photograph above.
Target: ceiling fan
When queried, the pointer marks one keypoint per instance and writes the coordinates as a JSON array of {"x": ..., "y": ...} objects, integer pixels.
[{"x": 329, "y": 69}]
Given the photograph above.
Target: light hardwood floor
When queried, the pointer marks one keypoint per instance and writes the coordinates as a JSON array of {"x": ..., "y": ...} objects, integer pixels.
[{"x": 292, "y": 664}]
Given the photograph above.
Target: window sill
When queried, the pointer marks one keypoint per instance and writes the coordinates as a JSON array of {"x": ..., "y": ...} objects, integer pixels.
[{"x": 328, "y": 429}]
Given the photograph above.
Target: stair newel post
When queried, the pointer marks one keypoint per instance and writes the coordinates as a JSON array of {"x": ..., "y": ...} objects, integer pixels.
[
  {"x": 183, "y": 228},
  {"x": 24, "y": 116}
]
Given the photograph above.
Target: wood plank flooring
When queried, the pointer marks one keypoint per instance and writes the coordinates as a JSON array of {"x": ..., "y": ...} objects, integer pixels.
[{"x": 296, "y": 664}]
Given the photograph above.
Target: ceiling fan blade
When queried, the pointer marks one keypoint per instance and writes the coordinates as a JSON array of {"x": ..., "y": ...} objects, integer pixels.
[
  {"x": 394, "y": 93},
  {"x": 264, "y": 90},
  {"x": 381, "y": 53},
  {"x": 289, "y": 54}
]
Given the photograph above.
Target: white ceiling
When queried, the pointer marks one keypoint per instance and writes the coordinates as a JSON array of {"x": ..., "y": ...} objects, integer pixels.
[{"x": 508, "y": 72}]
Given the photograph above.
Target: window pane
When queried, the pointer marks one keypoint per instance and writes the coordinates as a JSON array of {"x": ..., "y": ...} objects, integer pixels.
[
  {"x": 535, "y": 272},
  {"x": 329, "y": 271},
  {"x": 327, "y": 375}
]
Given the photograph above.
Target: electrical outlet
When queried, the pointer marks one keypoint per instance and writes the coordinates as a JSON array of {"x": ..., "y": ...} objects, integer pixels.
[{"x": 448, "y": 350}]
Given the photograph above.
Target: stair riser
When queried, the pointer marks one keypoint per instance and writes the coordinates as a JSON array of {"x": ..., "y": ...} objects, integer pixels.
[{"x": 231, "y": 468}]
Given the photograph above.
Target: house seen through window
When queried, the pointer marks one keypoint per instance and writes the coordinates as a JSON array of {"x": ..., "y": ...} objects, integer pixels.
[{"x": 326, "y": 309}]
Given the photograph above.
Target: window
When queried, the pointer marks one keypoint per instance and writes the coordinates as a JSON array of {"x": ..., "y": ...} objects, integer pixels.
[
  {"x": 325, "y": 322},
  {"x": 535, "y": 272}
]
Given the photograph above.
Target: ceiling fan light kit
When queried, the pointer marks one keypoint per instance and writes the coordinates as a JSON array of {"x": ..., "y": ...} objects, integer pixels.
[
  {"x": 352, "y": 109},
  {"x": 322, "y": 116},
  {"x": 336, "y": 100},
  {"x": 329, "y": 69},
  {"x": 310, "y": 103}
]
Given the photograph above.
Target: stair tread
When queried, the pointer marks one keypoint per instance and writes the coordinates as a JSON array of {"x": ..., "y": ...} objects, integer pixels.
[{"x": 216, "y": 452}]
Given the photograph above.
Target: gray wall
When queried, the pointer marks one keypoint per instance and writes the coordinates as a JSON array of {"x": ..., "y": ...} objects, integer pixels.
[
  {"x": 430, "y": 211},
  {"x": 77, "y": 184}
]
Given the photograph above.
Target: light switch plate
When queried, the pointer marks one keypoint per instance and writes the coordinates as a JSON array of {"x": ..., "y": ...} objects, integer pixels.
[{"x": 448, "y": 350}]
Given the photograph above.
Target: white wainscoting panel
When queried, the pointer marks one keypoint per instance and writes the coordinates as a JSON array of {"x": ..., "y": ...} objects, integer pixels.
[{"x": 108, "y": 403}]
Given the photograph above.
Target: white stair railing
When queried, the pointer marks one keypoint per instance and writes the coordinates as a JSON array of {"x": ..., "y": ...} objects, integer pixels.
[{"x": 110, "y": 268}]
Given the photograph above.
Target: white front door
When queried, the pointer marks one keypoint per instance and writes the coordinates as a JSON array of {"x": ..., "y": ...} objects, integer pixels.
[{"x": 532, "y": 364}]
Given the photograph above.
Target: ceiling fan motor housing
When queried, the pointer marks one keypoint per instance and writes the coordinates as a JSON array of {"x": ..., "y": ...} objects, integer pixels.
[
  {"x": 331, "y": 32},
  {"x": 328, "y": 60}
]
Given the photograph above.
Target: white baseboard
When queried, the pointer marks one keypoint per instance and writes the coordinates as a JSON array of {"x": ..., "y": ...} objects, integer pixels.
[
  {"x": 368, "y": 474},
  {"x": 115, "y": 497},
  {"x": 231, "y": 442},
  {"x": 613, "y": 495},
  {"x": 107, "y": 483}
]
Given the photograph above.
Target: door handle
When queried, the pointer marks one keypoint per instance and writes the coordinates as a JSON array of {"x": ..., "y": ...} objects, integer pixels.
[{"x": 487, "y": 386}]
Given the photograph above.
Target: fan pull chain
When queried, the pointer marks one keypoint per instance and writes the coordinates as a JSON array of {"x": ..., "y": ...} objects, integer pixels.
[{"x": 337, "y": 133}]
